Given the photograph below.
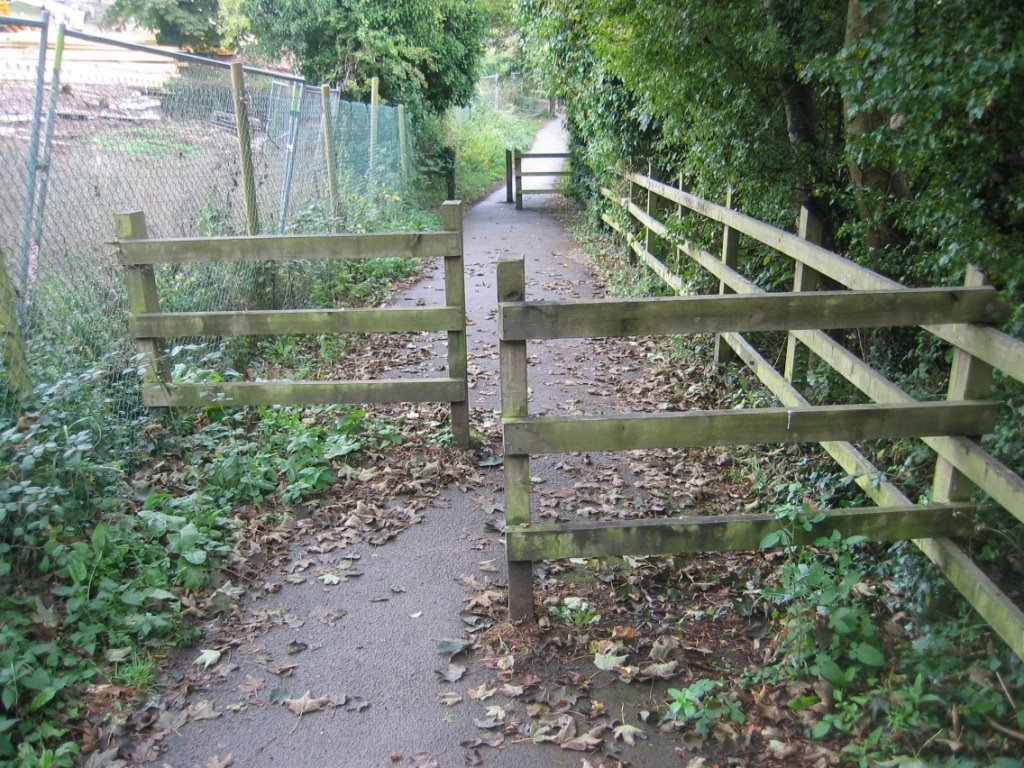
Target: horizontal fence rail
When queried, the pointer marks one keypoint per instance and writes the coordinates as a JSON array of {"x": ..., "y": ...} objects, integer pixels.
[
  {"x": 423, "y": 245},
  {"x": 979, "y": 349},
  {"x": 151, "y": 327},
  {"x": 514, "y": 173}
]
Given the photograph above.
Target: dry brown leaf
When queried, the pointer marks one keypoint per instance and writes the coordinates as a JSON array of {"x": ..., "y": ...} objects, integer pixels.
[
  {"x": 306, "y": 704},
  {"x": 587, "y": 741}
]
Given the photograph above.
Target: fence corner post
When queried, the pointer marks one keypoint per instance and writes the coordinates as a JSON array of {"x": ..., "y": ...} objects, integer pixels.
[
  {"x": 252, "y": 219},
  {"x": 332, "y": 171},
  {"x": 804, "y": 279},
  {"x": 509, "y": 187},
  {"x": 403, "y": 143},
  {"x": 140, "y": 280},
  {"x": 969, "y": 379},
  {"x": 514, "y": 404},
  {"x": 16, "y": 369},
  {"x": 455, "y": 297},
  {"x": 730, "y": 258}
]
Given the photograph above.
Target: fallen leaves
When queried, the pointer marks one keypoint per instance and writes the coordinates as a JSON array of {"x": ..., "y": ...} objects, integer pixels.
[
  {"x": 208, "y": 657},
  {"x": 307, "y": 703}
]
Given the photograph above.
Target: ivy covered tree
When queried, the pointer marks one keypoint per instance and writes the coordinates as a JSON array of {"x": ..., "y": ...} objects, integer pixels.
[{"x": 425, "y": 52}]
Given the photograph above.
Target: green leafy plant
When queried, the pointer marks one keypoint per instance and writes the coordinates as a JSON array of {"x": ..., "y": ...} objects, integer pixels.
[
  {"x": 575, "y": 612},
  {"x": 699, "y": 706}
]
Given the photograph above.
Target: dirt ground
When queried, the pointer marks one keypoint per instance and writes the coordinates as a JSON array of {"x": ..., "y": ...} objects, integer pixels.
[{"x": 348, "y": 644}]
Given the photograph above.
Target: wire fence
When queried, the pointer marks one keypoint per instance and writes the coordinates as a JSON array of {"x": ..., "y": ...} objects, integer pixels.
[{"x": 91, "y": 126}]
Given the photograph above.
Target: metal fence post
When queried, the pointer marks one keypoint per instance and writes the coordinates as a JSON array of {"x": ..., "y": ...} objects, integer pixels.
[
  {"x": 44, "y": 167},
  {"x": 33, "y": 156}
]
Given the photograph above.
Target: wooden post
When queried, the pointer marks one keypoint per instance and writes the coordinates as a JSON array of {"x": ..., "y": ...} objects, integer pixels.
[
  {"x": 403, "y": 143},
  {"x": 804, "y": 279},
  {"x": 514, "y": 404},
  {"x": 374, "y": 115},
  {"x": 252, "y": 219},
  {"x": 16, "y": 368},
  {"x": 509, "y": 188},
  {"x": 455, "y": 296},
  {"x": 969, "y": 379},
  {"x": 332, "y": 171},
  {"x": 647, "y": 208},
  {"x": 730, "y": 257},
  {"x": 142, "y": 299},
  {"x": 518, "y": 160}
]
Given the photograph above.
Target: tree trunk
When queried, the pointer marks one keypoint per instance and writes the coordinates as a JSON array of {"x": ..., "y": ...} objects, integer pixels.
[{"x": 874, "y": 186}]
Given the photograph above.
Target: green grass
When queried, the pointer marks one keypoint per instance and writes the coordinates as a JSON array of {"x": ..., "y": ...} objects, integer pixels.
[
  {"x": 480, "y": 144},
  {"x": 145, "y": 142}
]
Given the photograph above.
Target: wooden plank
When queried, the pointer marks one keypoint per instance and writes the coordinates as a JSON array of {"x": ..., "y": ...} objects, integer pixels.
[
  {"x": 529, "y": 155},
  {"x": 515, "y": 404},
  {"x": 1001, "y": 613},
  {"x": 991, "y": 603},
  {"x": 303, "y": 392},
  {"x": 290, "y": 247},
  {"x": 720, "y": 533},
  {"x": 989, "y": 474},
  {"x": 750, "y": 312},
  {"x": 996, "y": 348},
  {"x": 518, "y": 163},
  {"x": 545, "y": 173},
  {"x": 692, "y": 429},
  {"x": 296, "y": 321},
  {"x": 994, "y": 605}
]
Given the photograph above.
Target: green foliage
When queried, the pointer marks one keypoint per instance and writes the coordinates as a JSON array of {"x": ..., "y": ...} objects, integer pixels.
[
  {"x": 575, "y": 612},
  {"x": 424, "y": 52},
  {"x": 902, "y": 136},
  {"x": 89, "y": 578},
  {"x": 480, "y": 140},
  {"x": 700, "y": 707},
  {"x": 193, "y": 24}
]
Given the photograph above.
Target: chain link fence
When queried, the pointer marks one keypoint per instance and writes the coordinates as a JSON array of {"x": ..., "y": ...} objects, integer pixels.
[{"x": 109, "y": 127}]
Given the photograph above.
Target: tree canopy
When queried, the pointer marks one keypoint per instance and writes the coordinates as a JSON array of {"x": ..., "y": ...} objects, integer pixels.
[
  {"x": 425, "y": 52},
  {"x": 185, "y": 23},
  {"x": 899, "y": 122}
]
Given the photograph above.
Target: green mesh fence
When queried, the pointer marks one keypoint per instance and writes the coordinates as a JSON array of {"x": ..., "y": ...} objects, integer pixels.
[{"x": 140, "y": 129}]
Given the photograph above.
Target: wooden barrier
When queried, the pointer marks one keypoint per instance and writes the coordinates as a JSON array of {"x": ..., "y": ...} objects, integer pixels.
[
  {"x": 524, "y": 436},
  {"x": 514, "y": 175},
  {"x": 962, "y": 466},
  {"x": 151, "y": 327}
]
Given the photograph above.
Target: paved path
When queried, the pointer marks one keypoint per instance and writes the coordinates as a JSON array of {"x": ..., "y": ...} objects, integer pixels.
[{"x": 384, "y": 649}]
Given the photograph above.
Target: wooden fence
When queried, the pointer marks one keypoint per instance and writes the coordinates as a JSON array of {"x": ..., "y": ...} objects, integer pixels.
[
  {"x": 151, "y": 327},
  {"x": 958, "y": 315},
  {"x": 514, "y": 174}
]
